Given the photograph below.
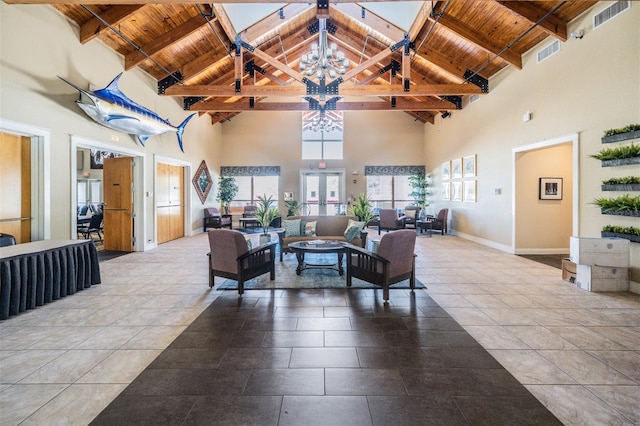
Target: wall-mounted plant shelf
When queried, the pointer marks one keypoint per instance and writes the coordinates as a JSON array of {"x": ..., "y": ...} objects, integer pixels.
[
  {"x": 631, "y": 237},
  {"x": 635, "y": 213},
  {"x": 621, "y": 137},
  {"x": 620, "y": 162},
  {"x": 621, "y": 187}
]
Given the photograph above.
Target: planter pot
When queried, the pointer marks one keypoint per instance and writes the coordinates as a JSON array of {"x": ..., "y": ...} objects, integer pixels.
[
  {"x": 621, "y": 137},
  {"x": 620, "y": 162},
  {"x": 265, "y": 239},
  {"x": 635, "y": 213},
  {"x": 630, "y": 237},
  {"x": 622, "y": 187}
]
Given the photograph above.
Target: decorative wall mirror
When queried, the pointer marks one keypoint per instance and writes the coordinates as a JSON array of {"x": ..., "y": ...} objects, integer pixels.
[{"x": 202, "y": 181}]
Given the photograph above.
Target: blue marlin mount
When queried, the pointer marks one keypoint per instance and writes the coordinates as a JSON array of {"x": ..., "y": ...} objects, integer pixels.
[{"x": 113, "y": 109}]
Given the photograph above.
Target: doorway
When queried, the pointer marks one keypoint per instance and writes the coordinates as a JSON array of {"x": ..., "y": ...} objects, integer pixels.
[{"x": 323, "y": 191}]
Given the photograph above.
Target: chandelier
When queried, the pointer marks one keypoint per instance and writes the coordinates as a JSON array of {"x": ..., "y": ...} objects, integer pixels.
[
  {"x": 322, "y": 123},
  {"x": 324, "y": 59}
]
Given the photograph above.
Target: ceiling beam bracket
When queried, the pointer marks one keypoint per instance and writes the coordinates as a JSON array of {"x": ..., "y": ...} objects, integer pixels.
[
  {"x": 190, "y": 100},
  {"x": 240, "y": 44},
  {"x": 402, "y": 43},
  {"x": 252, "y": 102},
  {"x": 456, "y": 100},
  {"x": 314, "y": 28},
  {"x": 478, "y": 80},
  {"x": 169, "y": 81},
  {"x": 393, "y": 102},
  {"x": 331, "y": 28},
  {"x": 250, "y": 68}
]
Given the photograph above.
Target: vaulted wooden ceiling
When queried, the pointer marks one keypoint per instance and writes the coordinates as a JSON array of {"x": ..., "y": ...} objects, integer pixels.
[{"x": 452, "y": 48}]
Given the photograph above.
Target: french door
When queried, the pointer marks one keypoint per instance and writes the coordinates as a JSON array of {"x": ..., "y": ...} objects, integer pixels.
[{"x": 323, "y": 191}]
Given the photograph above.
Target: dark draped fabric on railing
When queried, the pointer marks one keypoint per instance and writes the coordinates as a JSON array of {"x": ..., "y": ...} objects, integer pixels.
[{"x": 33, "y": 274}]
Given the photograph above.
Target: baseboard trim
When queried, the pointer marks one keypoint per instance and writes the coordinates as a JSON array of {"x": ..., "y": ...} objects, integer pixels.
[
  {"x": 488, "y": 243},
  {"x": 535, "y": 251}
]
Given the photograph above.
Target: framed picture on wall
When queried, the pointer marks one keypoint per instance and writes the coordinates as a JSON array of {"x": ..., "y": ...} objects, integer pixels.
[
  {"x": 456, "y": 168},
  {"x": 202, "y": 181},
  {"x": 469, "y": 166},
  {"x": 456, "y": 191},
  {"x": 445, "y": 191},
  {"x": 469, "y": 191},
  {"x": 550, "y": 189},
  {"x": 446, "y": 170}
]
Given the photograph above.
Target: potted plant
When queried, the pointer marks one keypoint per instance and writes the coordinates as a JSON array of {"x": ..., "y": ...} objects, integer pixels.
[
  {"x": 625, "y": 205},
  {"x": 419, "y": 185},
  {"x": 293, "y": 207},
  {"x": 265, "y": 214},
  {"x": 627, "y": 232},
  {"x": 227, "y": 190},
  {"x": 632, "y": 131},
  {"x": 619, "y": 156},
  {"x": 628, "y": 183},
  {"x": 361, "y": 207}
]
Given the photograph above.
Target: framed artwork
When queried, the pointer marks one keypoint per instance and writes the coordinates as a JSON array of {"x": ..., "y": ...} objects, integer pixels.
[
  {"x": 288, "y": 196},
  {"x": 456, "y": 191},
  {"x": 469, "y": 191},
  {"x": 550, "y": 189},
  {"x": 202, "y": 182},
  {"x": 446, "y": 170},
  {"x": 445, "y": 191},
  {"x": 456, "y": 168},
  {"x": 97, "y": 158},
  {"x": 469, "y": 166}
]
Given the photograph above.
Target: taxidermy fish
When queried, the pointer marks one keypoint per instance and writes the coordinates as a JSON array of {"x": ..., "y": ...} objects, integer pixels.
[{"x": 113, "y": 109}]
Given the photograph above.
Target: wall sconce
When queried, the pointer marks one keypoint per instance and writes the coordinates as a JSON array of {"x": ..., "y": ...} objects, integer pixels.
[
  {"x": 577, "y": 34},
  {"x": 86, "y": 174}
]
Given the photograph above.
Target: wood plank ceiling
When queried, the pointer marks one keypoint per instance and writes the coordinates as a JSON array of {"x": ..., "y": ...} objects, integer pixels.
[{"x": 453, "y": 47}]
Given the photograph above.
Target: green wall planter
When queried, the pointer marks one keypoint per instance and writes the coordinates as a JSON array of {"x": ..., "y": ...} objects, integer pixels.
[
  {"x": 622, "y": 187},
  {"x": 620, "y": 162},
  {"x": 621, "y": 137},
  {"x": 635, "y": 213},
  {"x": 630, "y": 237}
]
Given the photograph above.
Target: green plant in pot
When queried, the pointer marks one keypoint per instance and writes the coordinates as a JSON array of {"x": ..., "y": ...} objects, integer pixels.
[
  {"x": 266, "y": 212},
  {"x": 362, "y": 208},
  {"x": 293, "y": 207},
  {"x": 420, "y": 189},
  {"x": 227, "y": 190}
]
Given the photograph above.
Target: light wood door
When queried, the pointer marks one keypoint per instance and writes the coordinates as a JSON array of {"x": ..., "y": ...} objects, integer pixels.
[
  {"x": 118, "y": 204},
  {"x": 15, "y": 186},
  {"x": 169, "y": 202}
]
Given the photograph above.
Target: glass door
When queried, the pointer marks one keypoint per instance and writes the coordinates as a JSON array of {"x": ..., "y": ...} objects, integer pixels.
[{"x": 323, "y": 191}]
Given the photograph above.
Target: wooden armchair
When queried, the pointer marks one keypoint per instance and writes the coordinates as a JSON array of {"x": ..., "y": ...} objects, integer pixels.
[
  {"x": 440, "y": 221},
  {"x": 394, "y": 261},
  {"x": 213, "y": 219},
  {"x": 231, "y": 258},
  {"x": 389, "y": 220}
]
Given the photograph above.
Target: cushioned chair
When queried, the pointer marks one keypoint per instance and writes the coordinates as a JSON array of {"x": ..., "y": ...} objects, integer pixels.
[
  {"x": 411, "y": 215},
  {"x": 389, "y": 220},
  {"x": 7, "y": 240},
  {"x": 231, "y": 258},
  {"x": 213, "y": 219},
  {"x": 394, "y": 261},
  {"x": 440, "y": 221},
  {"x": 95, "y": 226}
]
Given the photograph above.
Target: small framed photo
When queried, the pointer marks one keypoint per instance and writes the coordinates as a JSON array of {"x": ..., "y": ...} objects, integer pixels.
[
  {"x": 550, "y": 189},
  {"x": 445, "y": 191},
  {"x": 446, "y": 170},
  {"x": 456, "y": 191},
  {"x": 469, "y": 191},
  {"x": 469, "y": 166},
  {"x": 456, "y": 168}
]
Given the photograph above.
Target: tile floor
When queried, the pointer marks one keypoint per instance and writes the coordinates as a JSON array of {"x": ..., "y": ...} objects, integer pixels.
[{"x": 577, "y": 352}]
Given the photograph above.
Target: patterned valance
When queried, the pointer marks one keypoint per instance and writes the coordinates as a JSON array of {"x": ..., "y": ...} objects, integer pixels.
[
  {"x": 250, "y": 170},
  {"x": 392, "y": 170}
]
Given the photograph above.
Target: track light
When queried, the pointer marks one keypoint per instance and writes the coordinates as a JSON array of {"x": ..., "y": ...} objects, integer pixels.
[{"x": 445, "y": 114}]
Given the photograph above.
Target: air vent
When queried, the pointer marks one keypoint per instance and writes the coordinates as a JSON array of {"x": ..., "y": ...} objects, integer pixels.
[
  {"x": 610, "y": 12},
  {"x": 548, "y": 51},
  {"x": 474, "y": 98}
]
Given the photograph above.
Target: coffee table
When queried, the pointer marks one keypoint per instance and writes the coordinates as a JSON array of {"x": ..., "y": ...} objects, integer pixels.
[
  {"x": 425, "y": 224},
  {"x": 301, "y": 248}
]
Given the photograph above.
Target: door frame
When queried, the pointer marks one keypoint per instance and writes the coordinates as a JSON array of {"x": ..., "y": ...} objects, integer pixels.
[
  {"x": 40, "y": 175},
  {"x": 139, "y": 207},
  {"x": 187, "y": 166},
  {"x": 574, "y": 140},
  {"x": 343, "y": 184}
]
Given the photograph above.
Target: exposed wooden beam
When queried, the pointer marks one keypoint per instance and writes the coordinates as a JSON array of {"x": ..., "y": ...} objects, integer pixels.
[
  {"x": 114, "y": 2},
  {"x": 421, "y": 19},
  {"x": 366, "y": 64},
  {"x": 553, "y": 25},
  {"x": 277, "y": 64},
  {"x": 164, "y": 41},
  {"x": 373, "y": 21},
  {"x": 225, "y": 22},
  {"x": 344, "y": 90},
  {"x": 264, "y": 26},
  {"x": 511, "y": 56},
  {"x": 113, "y": 16},
  {"x": 401, "y": 105}
]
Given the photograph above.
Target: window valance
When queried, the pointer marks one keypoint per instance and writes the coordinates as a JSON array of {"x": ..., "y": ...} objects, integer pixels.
[
  {"x": 393, "y": 170},
  {"x": 250, "y": 170}
]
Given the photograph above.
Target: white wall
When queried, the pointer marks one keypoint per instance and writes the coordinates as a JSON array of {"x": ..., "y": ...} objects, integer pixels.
[
  {"x": 590, "y": 85},
  {"x": 37, "y": 44}
]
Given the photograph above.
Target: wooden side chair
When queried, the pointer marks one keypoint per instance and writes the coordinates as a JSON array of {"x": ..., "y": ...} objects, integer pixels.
[{"x": 394, "y": 261}]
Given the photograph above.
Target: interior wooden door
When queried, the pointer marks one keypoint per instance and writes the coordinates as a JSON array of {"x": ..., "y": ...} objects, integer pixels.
[
  {"x": 177, "y": 206},
  {"x": 169, "y": 202},
  {"x": 118, "y": 204},
  {"x": 15, "y": 186}
]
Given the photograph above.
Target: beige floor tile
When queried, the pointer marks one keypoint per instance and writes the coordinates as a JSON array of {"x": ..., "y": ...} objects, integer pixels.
[
  {"x": 470, "y": 316},
  {"x": 154, "y": 337},
  {"x": 495, "y": 337},
  {"x": 16, "y": 338},
  {"x": 68, "y": 367},
  {"x": 540, "y": 337},
  {"x": 626, "y": 336},
  {"x": 111, "y": 337},
  {"x": 625, "y": 399},
  {"x": 24, "y": 363},
  {"x": 585, "y": 338},
  {"x": 73, "y": 406},
  {"x": 530, "y": 368},
  {"x": 626, "y": 362},
  {"x": 120, "y": 367},
  {"x": 452, "y": 301},
  {"x": 586, "y": 369},
  {"x": 508, "y": 316},
  {"x": 19, "y": 401},
  {"x": 65, "y": 337}
]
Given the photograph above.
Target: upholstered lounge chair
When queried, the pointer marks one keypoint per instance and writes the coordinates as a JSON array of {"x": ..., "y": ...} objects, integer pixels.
[
  {"x": 440, "y": 221},
  {"x": 213, "y": 219},
  {"x": 411, "y": 215},
  {"x": 389, "y": 220},
  {"x": 231, "y": 258},
  {"x": 394, "y": 261}
]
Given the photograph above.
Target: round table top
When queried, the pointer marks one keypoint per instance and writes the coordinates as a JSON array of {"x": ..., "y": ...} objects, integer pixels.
[{"x": 319, "y": 245}]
